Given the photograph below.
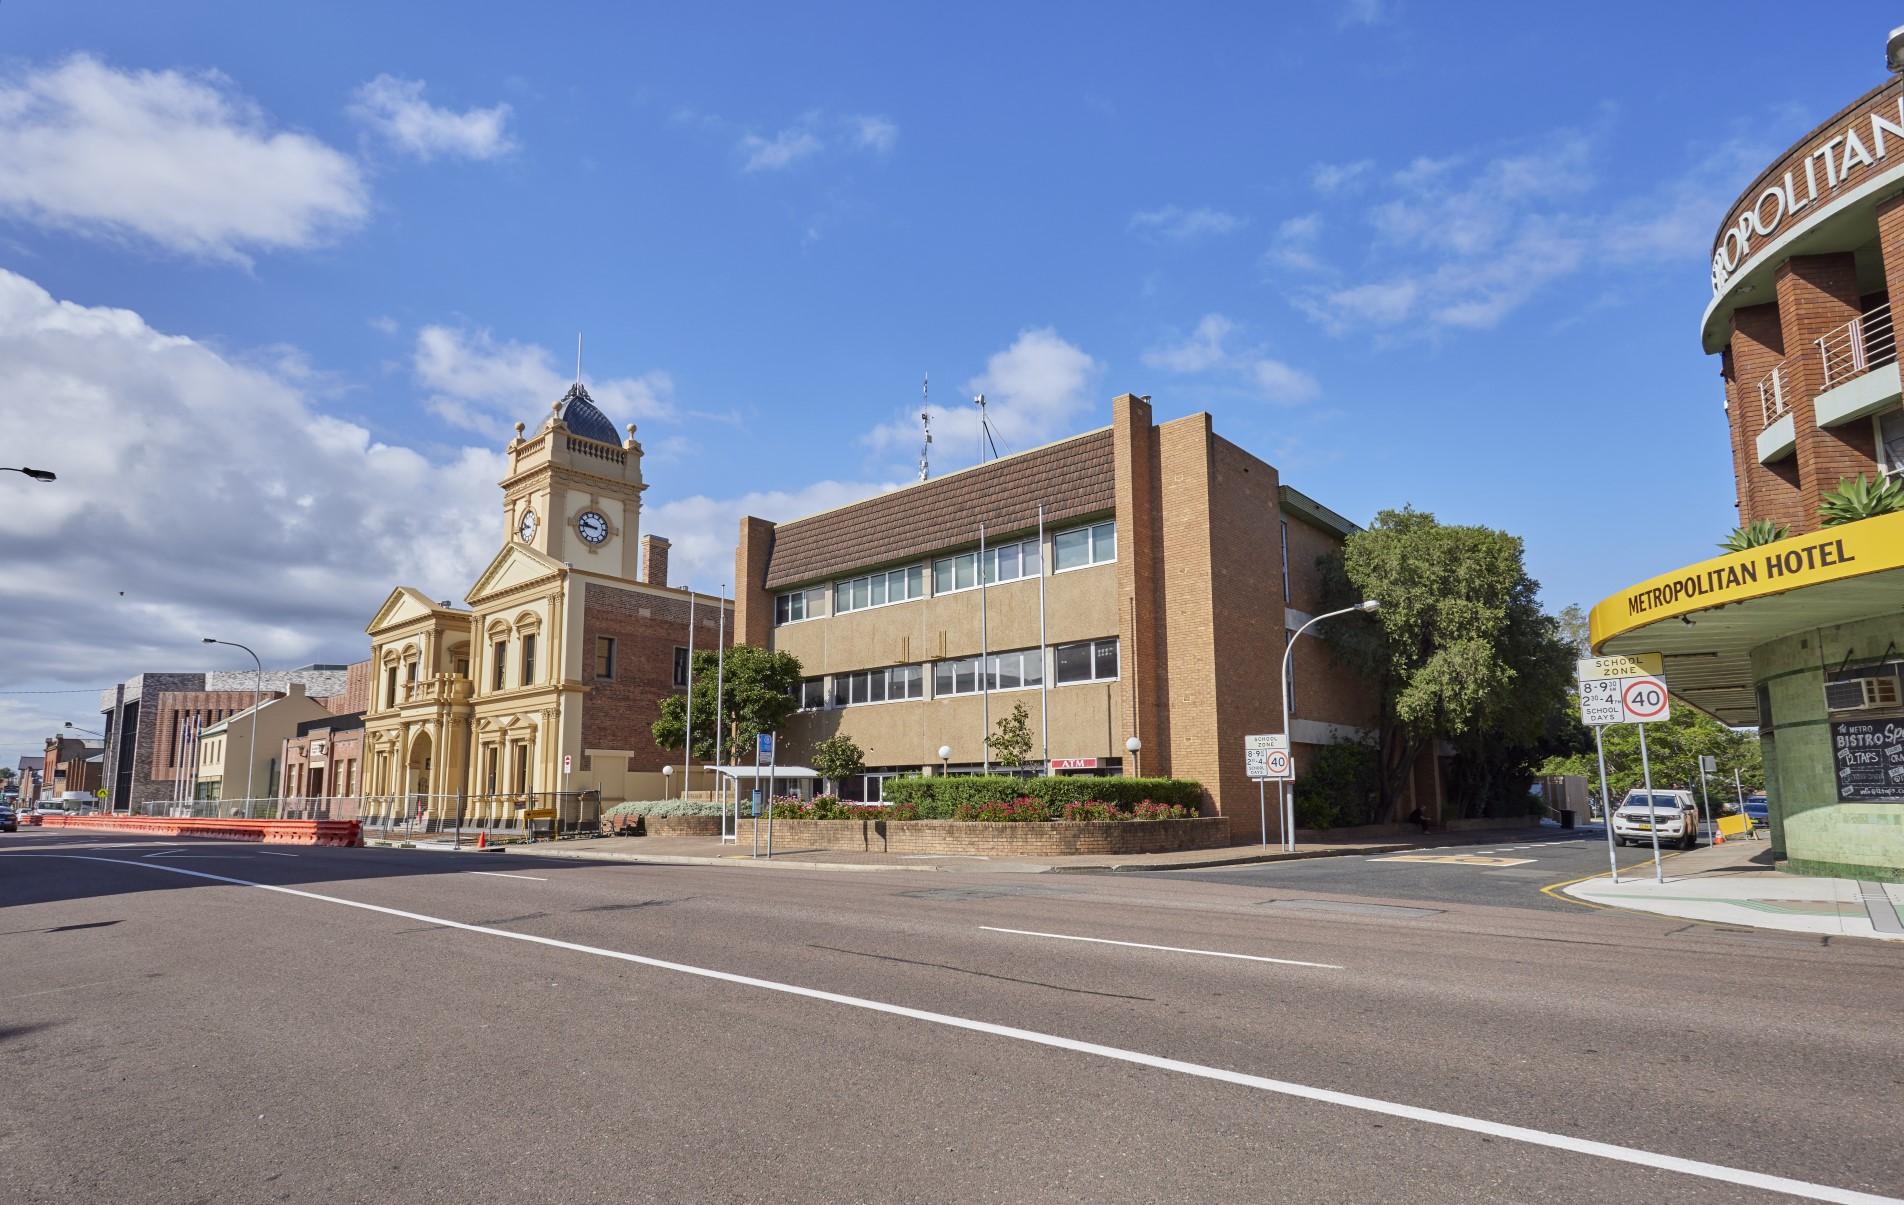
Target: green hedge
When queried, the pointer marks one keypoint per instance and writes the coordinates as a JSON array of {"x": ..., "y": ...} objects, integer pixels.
[
  {"x": 661, "y": 808},
  {"x": 939, "y": 797}
]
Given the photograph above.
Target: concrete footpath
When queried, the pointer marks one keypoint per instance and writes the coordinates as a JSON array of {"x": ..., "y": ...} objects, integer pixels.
[
  {"x": 1736, "y": 884},
  {"x": 710, "y": 851}
]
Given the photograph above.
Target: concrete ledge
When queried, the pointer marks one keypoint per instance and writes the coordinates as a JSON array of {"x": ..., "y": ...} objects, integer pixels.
[
  {"x": 1778, "y": 440},
  {"x": 1859, "y": 397}
]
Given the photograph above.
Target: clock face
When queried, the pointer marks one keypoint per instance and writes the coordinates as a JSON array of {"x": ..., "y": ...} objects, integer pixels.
[
  {"x": 592, "y": 527},
  {"x": 527, "y": 528}
]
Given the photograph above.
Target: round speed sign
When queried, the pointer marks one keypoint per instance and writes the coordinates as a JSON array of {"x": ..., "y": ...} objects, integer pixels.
[{"x": 1644, "y": 699}]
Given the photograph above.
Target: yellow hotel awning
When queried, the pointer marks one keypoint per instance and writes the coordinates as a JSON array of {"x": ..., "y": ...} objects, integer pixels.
[{"x": 1706, "y": 618}]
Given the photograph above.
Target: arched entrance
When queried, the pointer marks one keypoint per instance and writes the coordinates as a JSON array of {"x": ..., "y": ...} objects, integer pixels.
[{"x": 417, "y": 773}]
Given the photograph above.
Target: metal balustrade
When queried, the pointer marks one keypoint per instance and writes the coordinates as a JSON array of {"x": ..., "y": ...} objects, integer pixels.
[
  {"x": 1772, "y": 403},
  {"x": 1866, "y": 342}
]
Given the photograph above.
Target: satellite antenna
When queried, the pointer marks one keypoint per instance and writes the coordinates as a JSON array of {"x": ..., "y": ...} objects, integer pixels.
[
  {"x": 925, "y": 421},
  {"x": 984, "y": 431}
]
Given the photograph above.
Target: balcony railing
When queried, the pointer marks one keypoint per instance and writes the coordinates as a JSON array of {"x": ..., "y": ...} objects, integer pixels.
[
  {"x": 1772, "y": 402},
  {"x": 1864, "y": 343},
  {"x": 439, "y": 688}
]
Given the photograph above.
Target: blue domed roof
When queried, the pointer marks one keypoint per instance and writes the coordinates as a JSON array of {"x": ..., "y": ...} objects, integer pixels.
[{"x": 581, "y": 417}]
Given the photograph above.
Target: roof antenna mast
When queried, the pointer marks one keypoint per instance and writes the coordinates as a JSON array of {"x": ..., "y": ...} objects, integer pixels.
[
  {"x": 925, "y": 421},
  {"x": 984, "y": 431}
]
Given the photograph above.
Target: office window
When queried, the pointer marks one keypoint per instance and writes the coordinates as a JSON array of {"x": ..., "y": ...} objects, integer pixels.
[
  {"x": 390, "y": 687},
  {"x": 604, "y": 656},
  {"x": 1001, "y": 563},
  {"x": 796, "y": 605},
  {"x": 528, "y": 658},
  {"x": 500, "y": 664},
  {"x": 1088, "y": 661},
  {"x": 810, "y": 693},
  {"x": 1081, "y": 546},
  {"x": 680, "y": 667},
  {"x": 410, "y": 673},
  {"x": 878, "y": 589},
  {"x": 1004, "y": 671},
  {"x": 878, "y": 685}
]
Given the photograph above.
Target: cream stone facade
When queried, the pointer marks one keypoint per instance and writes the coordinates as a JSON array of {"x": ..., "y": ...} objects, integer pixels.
[{"x": 538, "y": 693}]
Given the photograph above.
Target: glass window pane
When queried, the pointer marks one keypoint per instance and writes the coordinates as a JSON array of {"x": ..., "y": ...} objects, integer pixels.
[
  {"x": 915, "y": 682},
  {"x": 962, "y": 571},
  {"x": 1034, "y": 668},
  {"x": 965, "y": 676},
  {"x": 780, "y": 609},
  {"x": 1008, "y": 563},
  {"x": 916, "y": 582},
  {"x": 1106, "y": 658},
  {"x": 876, "y": 686},
  {"x": 842, "y": 597},
  {"x": 1032, "y": 556},
  {"x": 862, "y": 593},
  {"x": 942, "y": 576},
  {"x": 1009, "y": 677},
  {"x": 839, "y": 690},
  {"x": 942, "y": 679},
  {"x": 1070, "y": 549},
  {"x": 877, "y": 590},
  {"x": 988, "y": 565},
  {"x": 1073, "y": 663},
  {"x": 1103, "y": 543}
]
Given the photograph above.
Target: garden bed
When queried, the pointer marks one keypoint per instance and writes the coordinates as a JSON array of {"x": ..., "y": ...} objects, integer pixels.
[{"x": 1049, "y": 839}]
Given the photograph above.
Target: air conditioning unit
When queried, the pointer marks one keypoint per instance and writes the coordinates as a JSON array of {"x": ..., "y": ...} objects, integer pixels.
[{"x": 1861, "y": 694}]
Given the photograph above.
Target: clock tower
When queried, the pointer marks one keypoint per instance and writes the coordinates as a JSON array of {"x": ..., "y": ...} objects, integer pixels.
[{"x": 573, "y": 489}]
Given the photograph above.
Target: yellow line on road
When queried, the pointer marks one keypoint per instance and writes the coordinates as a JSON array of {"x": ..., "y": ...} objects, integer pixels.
[{"x": 1551, "y": 890}]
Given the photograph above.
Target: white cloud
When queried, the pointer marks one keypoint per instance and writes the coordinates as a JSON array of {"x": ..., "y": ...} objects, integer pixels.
[
  {"x": 781, "y": 151},
  {"x": 1255, "y": 371},
  {"x": 484, "y": 384},
  {"x": 1339, "y": 177},
  {"x": 182, "y": 162},
  {"x": 1178, "y": 224},
  {"x": 395, "y": 108},
  {"x": 199, "y": 496},
  {"x": 1294, "y": 246},
  {"x": 1364, "y": 12},
  {"x": 1035, "y": 390},
  {"x": 875, "y": 133}
]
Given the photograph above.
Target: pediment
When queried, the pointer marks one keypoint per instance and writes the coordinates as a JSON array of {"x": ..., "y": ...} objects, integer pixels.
[
  {"x": 404, "y": 604},
  {"x": 515, "y": 566}
]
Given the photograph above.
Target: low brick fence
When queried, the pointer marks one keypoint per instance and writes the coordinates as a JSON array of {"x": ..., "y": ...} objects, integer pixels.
[
  {"x": 680, "y": 826},
  {"x": 269, "y": 832},
  {"x": 1050, "y": 840}
]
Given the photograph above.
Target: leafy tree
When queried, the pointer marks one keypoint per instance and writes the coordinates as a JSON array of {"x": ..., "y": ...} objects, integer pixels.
[
  {"x": 1460, "y": 651},
  {"x": 1861, "y": 499},
  {"x": 1575, "y": 630},
  {"x": 838, "y": 757},
  {"x": 756, "y": 696},
  {"x": 1673, "y": 746},
  {"x": 1753, "y": 534},
  {"x": 1010, "y": 743}
]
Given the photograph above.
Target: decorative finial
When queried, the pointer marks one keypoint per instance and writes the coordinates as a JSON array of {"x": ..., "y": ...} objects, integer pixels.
[
  {"x": 519, "y": 430},
  {"x": 631, "y": 430}
]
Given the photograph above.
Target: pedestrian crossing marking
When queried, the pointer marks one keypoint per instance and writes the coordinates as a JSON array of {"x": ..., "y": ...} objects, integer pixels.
[{"x": 1456, "y": 859}]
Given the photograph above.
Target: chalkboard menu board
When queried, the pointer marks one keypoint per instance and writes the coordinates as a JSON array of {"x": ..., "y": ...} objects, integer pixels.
[{"x": 1868, "y": 756}]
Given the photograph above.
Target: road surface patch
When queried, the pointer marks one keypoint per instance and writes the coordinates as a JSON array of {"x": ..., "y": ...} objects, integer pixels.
[
  {"x": 1351, "y": 909},
  {"x": 1634, "y": 1156},
  {"x": 1458, "y": 859},
  {"x": 497, "y": 874},
  {"x": 1139, "y": 945}
]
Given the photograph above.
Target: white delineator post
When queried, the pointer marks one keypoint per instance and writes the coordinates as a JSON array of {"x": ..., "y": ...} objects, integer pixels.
[{"x": 1652, "y": 812}]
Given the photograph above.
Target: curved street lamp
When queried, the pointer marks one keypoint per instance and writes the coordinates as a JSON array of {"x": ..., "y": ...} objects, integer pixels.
[
  {"x": 1367, "y": 606},
  {"x": 36, "y": 474},
  {"x": 257, "y": 700},
  {"x": 945, "y": 760},
  {"x": 87, "y": 731},
  {"x": 1133, "y": 745}
]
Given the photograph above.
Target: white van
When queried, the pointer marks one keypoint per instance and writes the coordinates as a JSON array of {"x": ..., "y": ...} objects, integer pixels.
[{"x": 1672, "y": 814}]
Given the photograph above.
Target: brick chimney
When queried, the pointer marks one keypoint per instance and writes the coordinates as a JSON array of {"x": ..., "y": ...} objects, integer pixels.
[{"x": 654, "y": 560}]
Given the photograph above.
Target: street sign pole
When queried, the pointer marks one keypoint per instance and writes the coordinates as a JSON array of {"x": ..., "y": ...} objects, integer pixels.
[
  {"x": 1704, "y": 801},
  {"x": 1606, "y": 801},
  {"x": 773, "y": 763},
  {"x": 754, "y": 797},
  {"x": 1286, "y": 794},
  {"x": 1262, "y": 808},
  {"x": 1652, "y": 814}
]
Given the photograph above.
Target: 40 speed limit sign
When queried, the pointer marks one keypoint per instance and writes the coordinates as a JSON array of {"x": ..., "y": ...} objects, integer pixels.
[{"x": 1622, "y": 690}]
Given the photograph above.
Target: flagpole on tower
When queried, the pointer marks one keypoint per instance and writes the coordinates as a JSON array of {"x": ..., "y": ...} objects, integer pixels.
[{"x": 925, "y": 421}]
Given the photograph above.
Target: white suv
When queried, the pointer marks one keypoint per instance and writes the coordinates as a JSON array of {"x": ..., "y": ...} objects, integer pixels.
[{"x": 1672, "y": 814}]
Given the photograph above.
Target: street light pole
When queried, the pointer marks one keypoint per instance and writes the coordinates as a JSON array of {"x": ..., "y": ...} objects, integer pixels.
[
  {"x": 257, "y": 701},
  {"x": 36, "y": 474},
  {"x": 1288, "y": 819}
]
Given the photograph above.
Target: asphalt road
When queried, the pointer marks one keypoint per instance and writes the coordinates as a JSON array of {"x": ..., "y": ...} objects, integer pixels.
[
  {"x": 397, "y": 1026},
  {"x": 1509, "y": 874}
]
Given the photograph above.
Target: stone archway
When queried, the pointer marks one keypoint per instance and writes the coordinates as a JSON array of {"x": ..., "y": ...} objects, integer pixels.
[{"x": 417, "y": 769}]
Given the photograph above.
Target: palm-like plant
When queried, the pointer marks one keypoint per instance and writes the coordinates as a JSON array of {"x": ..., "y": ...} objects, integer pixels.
[
  {"x": 1861, "y": 499},
  {"x": 1753, "y": 534}
]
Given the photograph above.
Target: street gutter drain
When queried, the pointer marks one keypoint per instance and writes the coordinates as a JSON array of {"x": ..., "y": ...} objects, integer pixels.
[{"x": 1343, "y": 906}]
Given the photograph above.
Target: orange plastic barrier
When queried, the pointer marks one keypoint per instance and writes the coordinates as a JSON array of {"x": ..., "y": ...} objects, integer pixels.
[{"x": 269, "y": 832}]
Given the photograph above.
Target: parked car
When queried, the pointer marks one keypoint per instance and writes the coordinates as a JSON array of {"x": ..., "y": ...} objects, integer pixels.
[
  {"x": 50, "y": 809},
  {"x": 1760, "y": 811},
  {"x": 9, "y": 820},
  {"x": 1672, "y": 814}
]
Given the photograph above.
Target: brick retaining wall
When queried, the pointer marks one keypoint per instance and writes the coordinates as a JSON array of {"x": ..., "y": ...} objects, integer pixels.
[{"x": 1055, "y": 839}]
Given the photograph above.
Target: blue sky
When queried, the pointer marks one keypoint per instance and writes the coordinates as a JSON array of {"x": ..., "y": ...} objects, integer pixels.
[{"x": 280, "y": 281}]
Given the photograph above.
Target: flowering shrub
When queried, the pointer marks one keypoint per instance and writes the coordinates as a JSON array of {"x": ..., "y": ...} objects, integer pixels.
[
  {"x": 1022, "y": 810},
  {"x": 1092, "y": 809},
  {"x": 1151, "y": 810}
]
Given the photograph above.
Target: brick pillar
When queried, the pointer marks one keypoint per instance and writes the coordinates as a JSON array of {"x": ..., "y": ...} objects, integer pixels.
[
  {"x": 753, "y": 604},
  {"x": 1818, "y": 294},
  {"x": 1771, "y": 491},
  {"x": 1143, "y": 678},
  {"x": 654, "y": 560}
]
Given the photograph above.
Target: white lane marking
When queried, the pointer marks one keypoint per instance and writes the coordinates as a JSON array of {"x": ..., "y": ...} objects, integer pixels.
[
  {"x": 1347, "y": 1100},
  {"x": 497, "y": 874},
  {"x": 272, "y": 853},
  {"x": 1138, "y": 945},
  {"x": 165, "y": 853}
]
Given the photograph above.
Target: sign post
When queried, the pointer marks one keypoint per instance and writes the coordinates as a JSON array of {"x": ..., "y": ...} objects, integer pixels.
[
  {"x": 1624, "y": 690},
  {"x": 1708, "y": 764},
  {"x": 1266, "y": 759}
]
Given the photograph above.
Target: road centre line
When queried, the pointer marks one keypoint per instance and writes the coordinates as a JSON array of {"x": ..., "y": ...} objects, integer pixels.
[
  {"x": 497, "y": 874},
  {"x": 272, "y": 853},
  {"x": 1367, "y": 1104},
  {"x": 1138, "y": 945}
]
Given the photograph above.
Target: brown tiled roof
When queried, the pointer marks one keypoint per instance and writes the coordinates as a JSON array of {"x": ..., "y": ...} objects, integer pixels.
[{"x": 1071, "y": 478}]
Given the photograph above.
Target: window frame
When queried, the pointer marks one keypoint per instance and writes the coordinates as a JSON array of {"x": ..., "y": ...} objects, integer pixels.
[
  {"x": 862, "y": 586},
  {"x": 842, "y": 688},
  {"x": 1020, "y": 548},
  {"x": 1091, "y": 540},
  {"x": 528, "y": 642},
  {"x": 806, "y": 597},
  {"x": 499, "y": 673},
  {"x": 605, "y": 644},
  {"x": 678, "y": 675},
  {"x": 1092, "y": 654}
]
